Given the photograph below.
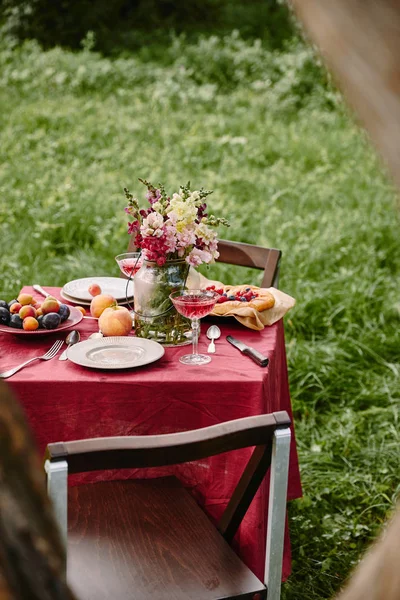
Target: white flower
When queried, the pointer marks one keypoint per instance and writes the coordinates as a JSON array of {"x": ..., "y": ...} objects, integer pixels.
[
  {"x": 197, "y": 257},
  {"x": 152, "y": 225}
]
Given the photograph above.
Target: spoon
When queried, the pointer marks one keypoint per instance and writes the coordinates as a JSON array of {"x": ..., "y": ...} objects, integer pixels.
[
  {"x": 213, "y": 333},
  {"x": 72, "y": 338}
]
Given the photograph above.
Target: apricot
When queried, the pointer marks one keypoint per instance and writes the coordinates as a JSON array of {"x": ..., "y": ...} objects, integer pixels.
[
  {"x": 100, "y": 303},
  {"x": 15, "y": 308},
  {"x": 81, "y": 309},
  {"x": 24, "y": 299},
  {"x": 115, "y": 320},
  {"x": 50, "y": 305},
  {"x": 39, "y": 311},
  {"x": 94, "y": 289},
  {"x": 27, "y": 311},
  {"x": 30, "y": 324}
]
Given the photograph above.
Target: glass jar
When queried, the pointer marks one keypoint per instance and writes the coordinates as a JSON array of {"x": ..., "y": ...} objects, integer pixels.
[{"x": 156, "y": 318}]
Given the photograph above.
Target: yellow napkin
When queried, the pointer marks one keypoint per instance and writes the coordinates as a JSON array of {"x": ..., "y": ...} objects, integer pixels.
[{"x": 250, "y": 317}]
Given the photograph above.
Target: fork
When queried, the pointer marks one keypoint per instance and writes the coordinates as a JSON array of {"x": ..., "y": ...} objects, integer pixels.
[{"x": 49, "y": 354}]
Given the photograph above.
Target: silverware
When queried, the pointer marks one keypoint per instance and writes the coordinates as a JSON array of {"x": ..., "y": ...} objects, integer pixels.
[
  {"x": 49, "y": 354},
  {"x": 95, "y": 335},
  {"x": 258, "y": 358},
  {"x": 40, "y": 290},
  {"x": 72, "y": 338},
  {"x": 213, "y": 333}
]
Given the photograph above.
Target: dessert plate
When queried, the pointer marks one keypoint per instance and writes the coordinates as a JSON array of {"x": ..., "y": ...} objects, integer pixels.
[
  {"x": 115, "y": 352},
  {"x": 74, "y": 318},
  {"x": 115, "y": 286}
]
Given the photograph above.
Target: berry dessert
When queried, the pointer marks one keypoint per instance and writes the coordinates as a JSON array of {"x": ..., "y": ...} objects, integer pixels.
[{"x": 232, "y": 297}]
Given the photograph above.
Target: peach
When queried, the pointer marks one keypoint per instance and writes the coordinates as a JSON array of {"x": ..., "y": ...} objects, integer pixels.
[
  {"x": 94, "y": 289},
  {"x": 15, "y": 308},
  {"x": 50, "y": 305},
  {"x": 27, "y": 311},
  {"x": 24, "y": 299},
  {"x": 30, "y": 324},
  {"x": 81, "y": 309},
  {"x": 115, "y": 320},
  {"x": 100, "y": 303},
  {"x": 39, "y": 311}
]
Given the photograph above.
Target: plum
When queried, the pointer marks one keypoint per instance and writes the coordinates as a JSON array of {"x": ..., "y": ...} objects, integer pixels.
[
  {"x": 4, "y": 316},
  {"x": 39, "y": 319},
  {"x": 4, "y": 304},
  {"x": 64, "y": 312},
  {"x": 12, "y": 302},
  {"x": 51, "y": 320},
  {"x": 16, "y": 322}
]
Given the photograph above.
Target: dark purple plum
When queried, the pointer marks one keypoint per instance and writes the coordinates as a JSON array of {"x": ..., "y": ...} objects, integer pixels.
[
  {"x": 3, "y": 304},
  {"x": 39, "y": 320},
  {"x": 51, "y": 321},
  {"x": 4, "y": 316},
  {"x": 64, "y": 312},
  {"x": 15, "y": 321}
]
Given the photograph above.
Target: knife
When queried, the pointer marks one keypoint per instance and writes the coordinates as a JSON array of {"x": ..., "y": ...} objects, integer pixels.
[
  {"x": 258, "y": 358},
  {"x": 38, "y": 288}
]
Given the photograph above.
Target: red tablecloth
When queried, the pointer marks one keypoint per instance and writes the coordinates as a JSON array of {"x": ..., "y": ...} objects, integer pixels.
[{"x": 64, "y": 401}]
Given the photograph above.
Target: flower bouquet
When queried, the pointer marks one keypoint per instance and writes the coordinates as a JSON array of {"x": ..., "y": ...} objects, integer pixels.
[{"x": 173, "y": 233}]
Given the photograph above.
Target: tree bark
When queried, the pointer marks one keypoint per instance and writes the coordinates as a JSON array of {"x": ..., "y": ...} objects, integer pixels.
[
  {"x": 31, "y": 551},
  {"x": 360, "y": 43}
]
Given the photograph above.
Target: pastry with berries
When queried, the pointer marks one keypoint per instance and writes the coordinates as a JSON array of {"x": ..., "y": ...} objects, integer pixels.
[{"x": 241, "y": 296}]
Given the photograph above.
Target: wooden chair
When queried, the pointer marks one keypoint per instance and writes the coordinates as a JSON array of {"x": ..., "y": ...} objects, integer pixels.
[
  {"x": 247, "y": 255},
  {"x": 149, "y": 538}
]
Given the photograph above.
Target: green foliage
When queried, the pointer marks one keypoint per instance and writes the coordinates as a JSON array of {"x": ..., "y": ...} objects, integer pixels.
[
  {"x": 137, "y": 23},
  {"x": 75, "y": 129}
]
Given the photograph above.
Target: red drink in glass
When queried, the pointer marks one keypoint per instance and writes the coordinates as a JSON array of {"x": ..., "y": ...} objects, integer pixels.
[
  {"x": 129, "y": 263},
  {"x": 194, "y": 307},
  {"x": 194, "y": 304}
]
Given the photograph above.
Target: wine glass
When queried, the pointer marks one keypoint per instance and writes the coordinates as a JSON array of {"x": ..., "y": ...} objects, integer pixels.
[
  {"x": 129, "y": 263},
  {"x": 194, "y": 304}
]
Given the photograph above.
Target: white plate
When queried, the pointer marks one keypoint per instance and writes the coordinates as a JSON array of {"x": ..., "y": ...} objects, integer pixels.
[
  {"x": 68, "y": 298},
  {"x": 115, "y": 286},
  {"x": 115, "y": 352}
]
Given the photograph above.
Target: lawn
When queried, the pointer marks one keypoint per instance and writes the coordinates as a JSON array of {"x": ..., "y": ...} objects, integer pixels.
[{"x": 291, "y": 170}]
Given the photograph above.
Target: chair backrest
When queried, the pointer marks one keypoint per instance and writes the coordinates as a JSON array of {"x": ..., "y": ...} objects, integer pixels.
[
  {"x": 269, "y": 434},
  {"x": 247, "y": 255},
  {"x": 32, "y": 555}
]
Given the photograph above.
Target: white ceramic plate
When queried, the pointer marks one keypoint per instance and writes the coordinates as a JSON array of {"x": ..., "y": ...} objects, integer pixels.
[
  {"x": 115, "y": 286},
  {"x": 68, "y": 298},
  {"x": 115, "y": 352}
]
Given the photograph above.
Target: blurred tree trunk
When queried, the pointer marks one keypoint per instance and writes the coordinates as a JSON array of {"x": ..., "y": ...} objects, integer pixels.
[
  {"x": 31, "y": 552},
  {"x": 360, "y": 43}
]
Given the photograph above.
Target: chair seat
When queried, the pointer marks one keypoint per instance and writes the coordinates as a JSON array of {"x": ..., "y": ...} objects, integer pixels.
[{"x": 145, "y": 539}]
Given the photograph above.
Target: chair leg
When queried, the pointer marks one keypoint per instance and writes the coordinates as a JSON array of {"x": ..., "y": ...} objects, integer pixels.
[
  {"x": 277, "y": 512},
  {"x": 57, "y": 489}
]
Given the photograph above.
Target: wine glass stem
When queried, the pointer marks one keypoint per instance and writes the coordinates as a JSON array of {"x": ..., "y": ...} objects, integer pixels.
[{"x": 195, "y": 334}]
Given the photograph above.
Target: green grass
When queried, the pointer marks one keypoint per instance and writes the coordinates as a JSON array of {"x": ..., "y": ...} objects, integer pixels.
[{"x": 290, "y": 170}]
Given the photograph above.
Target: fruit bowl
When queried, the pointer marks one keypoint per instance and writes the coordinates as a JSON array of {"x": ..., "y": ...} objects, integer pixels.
[{"x": 74, "y": 318}]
